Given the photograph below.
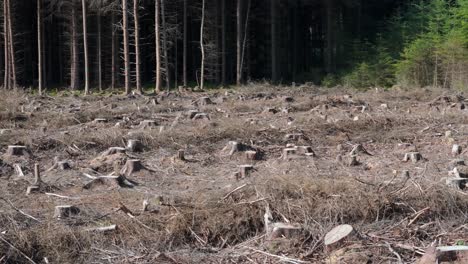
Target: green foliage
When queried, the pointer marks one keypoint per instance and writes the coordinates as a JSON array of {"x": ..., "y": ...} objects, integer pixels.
[{"x": 426, "y": 45}]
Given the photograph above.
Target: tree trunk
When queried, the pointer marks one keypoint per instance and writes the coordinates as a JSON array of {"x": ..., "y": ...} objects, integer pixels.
[
  {"x": 223, "y": 42},
  {"x": 99, "y": 47},
  {"x": 137, "y": 47},
  {"x": 184, "y": 71},
  {"x": 74, "y": 64},
  {"x": 158, "y": 49},
  {"x": 202, "y": 47},
  {"x": 114, "y": 52},
  {"x": 244, "y": 41},
  {"x": 39, "y": 45},
  {"x": 12, "y": 48},
  {"x": 6, "y": 80},
  {"x": 85, "y": 43},
  {"x": 166, "y": 57},
  {"x": 274, "y": 73},
  {"x": 239, "y": 43},
  {"x": 329, "y": 56},
  {"x": 126, "y": 48}
]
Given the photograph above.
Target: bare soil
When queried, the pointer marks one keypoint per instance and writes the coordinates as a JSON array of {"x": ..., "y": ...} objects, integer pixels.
[{"x": 200, "y": 209}]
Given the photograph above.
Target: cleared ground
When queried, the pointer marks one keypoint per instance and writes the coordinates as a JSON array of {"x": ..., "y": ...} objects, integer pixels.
[{"x": 200, "y": 209}]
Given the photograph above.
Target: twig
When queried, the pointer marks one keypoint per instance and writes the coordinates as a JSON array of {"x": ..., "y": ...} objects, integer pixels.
[
  {"x": 417, "y": 215},
  {"x": 394, "y": 253},
  {"x": 21, "y": 252},
  {"x": 286, "y": 259},
  {"x": 233, "y": 191},
  {"x": 62, "y": 196},
  {"x": 20, "y": 211}
]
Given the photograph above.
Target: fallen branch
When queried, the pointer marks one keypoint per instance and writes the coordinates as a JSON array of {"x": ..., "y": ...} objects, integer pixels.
[
  {"x": 233, "y": 191},
  {"x": 20, "y": 211},
  {"x": 285, "y": 259}
]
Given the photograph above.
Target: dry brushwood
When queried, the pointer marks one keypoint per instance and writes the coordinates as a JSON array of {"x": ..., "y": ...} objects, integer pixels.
[
  {"x": 359, "y": 149},
  {"x": 113, "y": 150},
  {"x": 33, "y": 189}
]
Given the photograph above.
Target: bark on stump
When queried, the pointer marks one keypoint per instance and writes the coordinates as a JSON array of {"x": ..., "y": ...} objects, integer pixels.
[
  {"x": 201, "y": 116},
  {"x": 32, "y": 189},
  {"x": 353, "y": 161},
  {"x": 181, "y": 155},
  {"x": 202, "y": 101},
  {"x": 132, "y": 166},
  {"x": 288, "y": 153},
  {"x": 134, "y": 145},
  {"x": 413, "y": 156},
  {"x": 456, "y": 150},
  {"x": 295, "y": 136},
  {"x": 284, "y": 230},
  {"x": 244, "y": 170},
  {"x": 148, "y": 124},
  {"x": 63, "y": 165},
  {"x": 251, "y": 155}
]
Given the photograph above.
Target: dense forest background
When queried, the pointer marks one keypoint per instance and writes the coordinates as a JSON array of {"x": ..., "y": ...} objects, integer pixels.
[{"x": 97, "y": 44}]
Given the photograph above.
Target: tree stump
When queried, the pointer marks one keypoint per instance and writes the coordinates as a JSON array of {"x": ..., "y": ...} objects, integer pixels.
[
  {"x": 288, "y": 99},
  {"x": 456, "y": 183},
  {"x": 245, "y": 170},
  {"x": 295, "y": 136},
  {"x": 37, "y": 175},
  {"x": 134, "y": 145},
  {"x": 202, "y": 101},
  {"x": 113, "y": 150},
  {"x": 284, "y": 230},
  {"x": 270, "y": 110},
  {"x": 148, "y": 124},
  {"x": 32, "y": 189},
  {"x": 251, "y": 155},
  {"x": 413, "y": 156},
  {"x": 100, "y": 120},
  {"x": 132, "y": 166},
  {"x": 17, "y": 151},
  {"x": 288, "y": 153},
  {"x": 456, "y": 150},
  {"x": 192, "y": 113},
  {"x": 233, "y": 147},
  {"x": 405, "y": 174},
  {"x": 353, "y": 161},
  {"x": 63, "y": 211},
  {"x": 201, "y": 116},
  {"x": 337, "y": 236},
  {"x": 181, "y": 155},
  {"x": 63, "y": 165},
  {"x": 305, "y": 150}
]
